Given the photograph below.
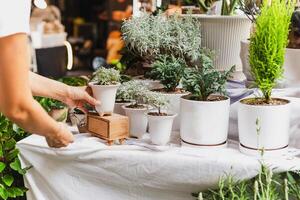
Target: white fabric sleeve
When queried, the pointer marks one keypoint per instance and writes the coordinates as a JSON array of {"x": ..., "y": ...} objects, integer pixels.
[{"x": 14, "y": 17}]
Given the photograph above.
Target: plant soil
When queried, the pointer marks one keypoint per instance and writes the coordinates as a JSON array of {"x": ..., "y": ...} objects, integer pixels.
[
  {"x": 210, "y": 98},
  {"x": 264, "y": 102},
  {"x": 136, "y": 106},
  {"x": 164, "y": 91},
  {"x": 121, "y": 101},
  {"x": 158, "y": 114}
]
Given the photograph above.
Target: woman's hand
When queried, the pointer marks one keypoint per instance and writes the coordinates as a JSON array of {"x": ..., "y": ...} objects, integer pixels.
[
  {"x": 76, "y": 97},
  {"x": 60, "y": 138}
]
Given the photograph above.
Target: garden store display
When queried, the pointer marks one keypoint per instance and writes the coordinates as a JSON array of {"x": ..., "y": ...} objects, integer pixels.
[
  {"x": 104, "y": 84},
  {"x": 263, "y": 122},
  {"x": 160, "y": 121},
  {"x": 205, "y": 113},
  {"x": 56, "y": 109},
  {"x": 169, "y": 71},
  {"x": 110, "y": 128},
  {"x": 136, "y": 111}
]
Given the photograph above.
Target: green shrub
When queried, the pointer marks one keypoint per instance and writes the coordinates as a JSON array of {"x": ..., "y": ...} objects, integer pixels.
[
  {"x": 131, "y": 91},
  {"x": 268, "y": 43},
  {"x": 157, "y": 100},
  {"x": 50, "y": 104},
  {"x": 169, "y": 71},
  {"x": 74, "y": 81},
  {"x": 204, "y": 80},
  {"x": 104, "y": 76}
]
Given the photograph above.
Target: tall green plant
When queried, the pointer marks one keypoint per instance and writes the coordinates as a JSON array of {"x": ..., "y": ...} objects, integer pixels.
[
  {"x": 268, "y": 43},
  {"x": 11, "y": 171}
]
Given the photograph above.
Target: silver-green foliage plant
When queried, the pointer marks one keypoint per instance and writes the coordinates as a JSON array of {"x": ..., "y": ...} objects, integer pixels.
[
  {"x": 106, "y": 76},
  {"x": 204, "y": 80},
  {"x": 268, "y": 43},
  {"x": 131, "y": 91},
  {"x": 151, "y": 36},
  {"x": 169, "y": 71},
  {"x": 157, "y": 100}
]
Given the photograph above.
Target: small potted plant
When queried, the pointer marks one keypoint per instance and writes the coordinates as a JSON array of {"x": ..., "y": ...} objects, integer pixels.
[
  {"x": 104, "y": 84},
  {"x": 56, "y": 109},
  {"x": 264, "y": 121},
  {"x": 135, "y": 111},
  {"x": 169, "y": 71},
  {"x": 205, "y": 112},
  {"x": 160, "y": 121},
  {"x": 125, "y": 94}
]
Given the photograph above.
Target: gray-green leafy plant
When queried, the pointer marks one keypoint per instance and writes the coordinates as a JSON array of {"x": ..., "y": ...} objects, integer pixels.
[
  {"x": 169, "y": 71},
  {"x": 228, "y": 6},
  {"x": 131, "y": 91},
  {"x": 268, "y": 43},
  {"x": 157, "y": 100},
  {"x": 106, "y": 76},
  {"x": 152, "y": 36},
  {"x": 11, "y": 172},
  {"x": 203, "y": 80}
]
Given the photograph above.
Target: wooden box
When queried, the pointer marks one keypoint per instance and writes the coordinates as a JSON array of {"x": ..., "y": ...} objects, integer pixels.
[{"x": 109, "y": 128}]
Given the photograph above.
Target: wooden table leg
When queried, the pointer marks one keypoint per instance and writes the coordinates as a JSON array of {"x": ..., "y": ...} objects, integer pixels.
[
  {"x": 122, "y": 141},
  {"x": 110, "y": 142}
]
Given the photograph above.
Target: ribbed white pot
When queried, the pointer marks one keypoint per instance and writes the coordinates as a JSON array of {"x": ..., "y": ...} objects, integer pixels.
[
  {"x": 223, "y": 34},
  {"x": 291, "y": 65},
  {"x": 204, "y": 123},
  {"x": 174, "y": 107},
  {"x": 160, "y": 128},
  {"x": 118, "y": 108},
  {"x": 106, "y": 94},
  {"x": 273, "y": 122},
  {"x": 138, "y": 121}
]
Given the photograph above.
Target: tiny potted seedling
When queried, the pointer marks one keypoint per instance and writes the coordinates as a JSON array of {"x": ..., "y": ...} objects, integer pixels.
[
  {"x": 205, "y": 112},
  {"x": 125, "y": 94},
  {"x": 135, "y": 110},
  {"x": 169, "y": 71},
  {"x": 56, "y": 109},
  {"x": 104, "y": 84},
  {"x": 160, "y": 121},
  {"x": 267, "y": 49}
]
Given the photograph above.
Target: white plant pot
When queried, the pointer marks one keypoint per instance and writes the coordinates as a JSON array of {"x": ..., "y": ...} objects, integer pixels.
[
  {"x": 151, "y": 84},
  {"x": 204, "y": 123},
  {"x": 160, "y": 128},
  {"x": 274, "y": 123},
  {"x": 223, "y": 34},
  {"x": 174, "y": 107},
  {"x": 118, "y": 108},
  {"x": 291, "y": 65},
  {"x": 138, "y": 121},
  {"x": 106, "y": 94}
]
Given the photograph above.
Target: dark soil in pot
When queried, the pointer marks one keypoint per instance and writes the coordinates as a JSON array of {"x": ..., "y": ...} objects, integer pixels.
[
  {"x": 264, "y": 102},
  {"x": 164, "y": 91},
  {"x": 136, "y": 106},
  {"x": 210, "y": 98},
  {"x": 158, "y": 114}
]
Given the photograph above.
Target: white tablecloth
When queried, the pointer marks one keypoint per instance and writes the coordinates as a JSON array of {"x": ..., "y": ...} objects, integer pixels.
[{"x": 88, "y": 169}]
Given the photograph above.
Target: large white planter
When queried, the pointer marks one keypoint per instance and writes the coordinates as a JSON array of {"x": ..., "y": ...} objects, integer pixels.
[
  {"x": 151, "y": 84},
  {"x": 273, "y": 122},
  {"x": 204, "y": 123},
  {"x": 106, "y": 94},
  {"x": 291, "y": 65},
  {"x": 160, "y": 128},
  {"x": 138, "y": 121},
  {"x": 174, "y": 107},
  {"x": 223, "y": 34}
]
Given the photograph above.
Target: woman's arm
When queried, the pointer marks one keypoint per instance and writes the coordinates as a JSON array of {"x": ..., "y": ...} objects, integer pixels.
[{"x": 16, "y": 101}]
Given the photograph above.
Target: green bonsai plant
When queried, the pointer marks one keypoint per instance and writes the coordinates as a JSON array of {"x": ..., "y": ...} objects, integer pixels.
[
  {"x": 268, "y": 43},
  {"x": 11, "y": 172},
  {"x": 129, "y": 91},
  {"x": 104, "y": 76},
  {"x": 137, "y": 93},
  {"x": 158, "y": 101},
  {"x": 168, "y": 70},
  {"x": 228, "y": 7},
  {"x": 204, "y": 80}
]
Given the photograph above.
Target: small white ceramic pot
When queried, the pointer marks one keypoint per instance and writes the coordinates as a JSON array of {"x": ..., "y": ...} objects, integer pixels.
[
  {"x": 204, "y": 123},
  {"x": 174, "y": 107},
  {"x": 106, "y": 94},
  {"x": 118, "y": 108},
  {"x": 138, "y": 121},
  {"x": 273, "y": 123},
  {"x": 59, "y": 115},
  {"x": 160, "y": 128}
]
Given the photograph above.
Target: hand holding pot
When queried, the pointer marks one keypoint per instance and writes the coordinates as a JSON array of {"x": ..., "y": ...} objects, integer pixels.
[{"x": 62, "y": 138}]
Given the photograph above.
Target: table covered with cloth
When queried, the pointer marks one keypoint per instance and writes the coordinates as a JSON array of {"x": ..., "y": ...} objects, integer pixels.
[{"x": 138, "y": 170}]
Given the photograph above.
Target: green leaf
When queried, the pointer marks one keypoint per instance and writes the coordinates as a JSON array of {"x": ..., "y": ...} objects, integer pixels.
[
  {"x": 2, "y": 166},
  {"x": 3, "y": 193},
  {"x": 12, "y": 154},
  {"x": 16, "y": 192},
  {"x": 16, "y": 166},
  {"x": 1, "y": 151},
  {"x": 10, "y": 144},
  {"x": 8, "y": 179}
]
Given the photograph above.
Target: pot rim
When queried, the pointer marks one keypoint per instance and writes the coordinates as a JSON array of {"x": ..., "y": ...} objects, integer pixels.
[
  {"x": 208, "y": 102},
  {"x": 265, "y": 106},
  {"x": 137, "y": 109},
  {"x": 222, "y": 17},
  {"x": 92, "y": 84}
]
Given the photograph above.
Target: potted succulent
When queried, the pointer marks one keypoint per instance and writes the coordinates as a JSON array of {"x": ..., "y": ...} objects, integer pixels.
[
  {"x": 135, "y": 111},
  {"x": 160, "y": 121},
  {"x": 205, "y": 112},
  {"x": 56, "y": 109},
  {"x": 222, "y": 28},
  {"x": 104, "y": 84},
  {"x": 264, "y": 121},
  {"x": 169, "y": 71},
  {"x": 125, "y": 94}
]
